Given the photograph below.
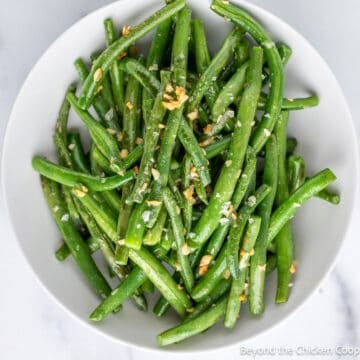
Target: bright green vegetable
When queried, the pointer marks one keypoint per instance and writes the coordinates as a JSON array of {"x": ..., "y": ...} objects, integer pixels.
[
  {"x": 274, "y": 102},
  {"x": 288, "y": 208},
  {"x": 150, "y": 142},
  {"x": 103, "y": 109},
  {"x": 126, "y": 288},
  {"x": 179, "y": 60},
  {"x": 79, "y": 250},
  {"x": 237, "y": 285},
  {"x": 184, "y": 189},
  {"x": 202, "y": 57},
  {"x": 71, "y": 178},
  {"x": 213, "y": 70},
  {"x": 116, "y": 75},
  {"x": 258, "y": 260},
  {"x": 193, "y": 327},
  {"x": 181, "y": 246},
  {"x": 154, "y": 62},
  {"x": 284, "y": 239},
  {"x": 107, "y": 249},
  {"x": 103, "y": 63},
  {"x": 230, "y": 172},
  {"x": 63, "y": 252},
  {"x": 161, "y": 279}
]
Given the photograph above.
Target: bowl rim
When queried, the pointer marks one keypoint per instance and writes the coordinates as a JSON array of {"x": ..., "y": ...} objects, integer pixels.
[{"x": 260, "y": 12}]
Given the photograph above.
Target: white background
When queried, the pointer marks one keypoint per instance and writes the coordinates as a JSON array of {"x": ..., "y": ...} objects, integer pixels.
[{"x": 32, "y": 326}]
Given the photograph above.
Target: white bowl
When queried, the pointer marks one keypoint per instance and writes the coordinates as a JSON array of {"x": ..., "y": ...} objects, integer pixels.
[{"x": 326, "y": 137}]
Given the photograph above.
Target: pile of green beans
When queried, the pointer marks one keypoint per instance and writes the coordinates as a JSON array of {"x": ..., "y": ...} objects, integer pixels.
[{"x": 180, "y": 173}]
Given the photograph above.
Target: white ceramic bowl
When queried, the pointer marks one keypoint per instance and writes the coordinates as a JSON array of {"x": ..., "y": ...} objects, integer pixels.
[{"x": 325, "y": 134}]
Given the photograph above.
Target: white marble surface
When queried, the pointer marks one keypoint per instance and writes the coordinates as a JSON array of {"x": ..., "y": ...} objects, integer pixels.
[{"x": 32, "y": 326}]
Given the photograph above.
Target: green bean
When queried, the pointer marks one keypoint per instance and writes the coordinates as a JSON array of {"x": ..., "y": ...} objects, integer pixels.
[
  {"x": 228, "y": 94},
  {"x": 242, "y": 52},
  {"x": 99, "y": 164},
  {"x": 172, "y": 259},
  {"x": 291, "y": 144},
  {"x": 233, "y": 242},
  {"x": 136, "y": 227},
  {"x": 155, "y": 61},
  {"x": 80, "y": 163},
  {"x": 70, "y": 205},
  {"x": 161, "y": 249},
  {"x": 258, "y": 260},
  {"x": 63, "y": 252},
  {"x": 131, "y": 117},
  {"x": 273, "y": 104},
  {"x": 217, "y": 239},
  {"x": 230, "y": 172},
  {"x": 111, "y": 197},
  {"x": 121, "y": 254},
  {"x": 63, "y": 152},
  {"x": 217, "y": 147},
  {"x": 285, "y": 53},
  {"x": 126, "y": 288},
  {"x": 188, "y": 190},
  {"x": 290, "y": 104},
  {"x": 101, "y": 137},
  {"x": 296, "y": 177},
  {"x": 60, "y": 134},
  {"x": 237, "y": 285},
  {"x": 104, "y": 216},
  {"x": 122, "y": 225},
  {"x": 240, "y": 56},
  {"x": 143, "y": 258},
  {"x": 329, "y": 196},
  {"x": 82, "y": 71},
  {"x": 105, "y": 87},
  {"x": 107, "y": 250},
  {"x": 193, "y": 327},
  {"x": 77, "y": 154},
  {"x": 202, "y": 57},
  {"x": 133, "y": 157},
  {"x": 148, "y": 287},
  {"x": 221, "y": 288},
  {"x": 288, "y": 208},
  {"x": 224, "y": 121},
  {"x": 242, "y": 189},
  {"x": 296, "y": 172},
  {"x": 161, "y": 279},
  {"x": 161, "y": 307},
  {"x": 172, "y": 184},
  {"x": 284, "y": 239},
  {"x": 181, "y": 246},
  {"x": 71, "y": 178},
  {"x": 72, "y": 238},
  {"x": 153, "y": 235},
  {"x": 131, "y": 127},
  {"x": 104, "y": 110},
  {"x": 106, "y": 59},
  {"x": 213, "y": 70},
  {"x": 116, "y": 75},
  {"x": 150, "y": 142},
  {"x": 200, "y": 191},
  {"x": 179, "y": 67},
  {"x": 271, "y": 264},
  {"x": 189, "y": 142},
  {"x": 144, "y": 76}
]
